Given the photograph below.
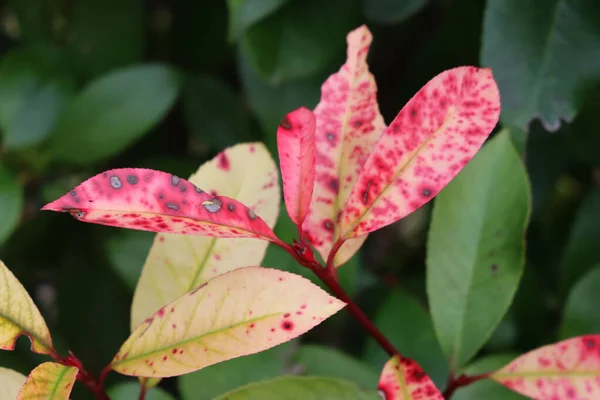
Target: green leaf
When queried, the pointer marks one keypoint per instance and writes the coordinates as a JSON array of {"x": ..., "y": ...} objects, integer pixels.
[
  {"x": 31, "y": 97},
  {"x": 112, "y": 112},
  {"x": 220, "y": 378},
  {"x": 476, "y": 247},
  {"x": 127, "y": 251},
  {"x": 270, "y": 103},
  {"x": 416, "y": 338},
  {"x": 97, "y": 49},
  {"x": 580, "y": 315},
  {"x": 214, "y": 113},
  {"x": 11, "y": 201},
  {"x": 316, "y": 360},
  {"x": 581, "y": 252},
  {"x": 301, "y": 388},
  {"x": 487, "y": 389},
  {"x": 389, "y": 12},
  {"x": 131, "y": 390},
  {"x": 543, "y": 54},
  {"x": 245, "y": 13},
  {"x": 300, "y": 40}
]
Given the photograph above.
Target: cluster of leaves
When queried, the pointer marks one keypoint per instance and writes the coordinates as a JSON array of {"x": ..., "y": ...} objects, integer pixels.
[{"x": 78, "y": 101}]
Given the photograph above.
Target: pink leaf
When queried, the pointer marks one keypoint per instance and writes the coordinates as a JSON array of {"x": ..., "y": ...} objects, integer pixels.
[
  {"x": 296, "y": 145},
  {"x": 156, "y": 201},
  {"x": 565, "y": 370},
  {"x": 348, "y": 126},
  {"x": 403, "y": 379},
  {"x": 433, "y": 137}
]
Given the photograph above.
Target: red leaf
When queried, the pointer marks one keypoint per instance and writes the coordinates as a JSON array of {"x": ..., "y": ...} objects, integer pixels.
[
  {"x": 156, "y": 201},
  {"x": 565, "y": 370},
  {"x": 433, "y": 137},
  {"x": 297, "y": 151},
  {"x": 348, "y": 126},
  {"x": 403, "y": 379}
]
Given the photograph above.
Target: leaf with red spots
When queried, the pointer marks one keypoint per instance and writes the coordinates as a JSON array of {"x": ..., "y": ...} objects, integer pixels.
[
  {"x": 348, "y": 125},
  {"x": 49, "y": 381},
  {"x": 296, "y": 146},
  {"x": 182, "y": 262},
  {"x": 241, "y": 312},
  {"x": 403, "y": 379},
  {"x": 19, "y": 316},
  {"x": 148, "y": 200},
  {"x": 10, "y": 383},
  {"x": 433, "y": 137},
  {"x": 565, "y": 370}
]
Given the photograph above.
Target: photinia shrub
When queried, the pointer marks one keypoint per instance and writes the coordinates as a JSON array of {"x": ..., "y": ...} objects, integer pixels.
[{"x": 203, "y": 298}]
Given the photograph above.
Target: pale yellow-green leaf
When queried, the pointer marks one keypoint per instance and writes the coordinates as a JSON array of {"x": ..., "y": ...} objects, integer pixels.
[
  {"x": 178, "y": 263},
  {"x": 241, "y": 312},
  {"x": 10, "y": 383},
  {"x": 19, "y": 316},
  {"x": 49, "y": 381},
  {"x": 149, "y": 383}
]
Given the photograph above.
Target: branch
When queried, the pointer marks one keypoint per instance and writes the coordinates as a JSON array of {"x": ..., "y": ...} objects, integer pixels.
[{"x": 458, "y": 382}]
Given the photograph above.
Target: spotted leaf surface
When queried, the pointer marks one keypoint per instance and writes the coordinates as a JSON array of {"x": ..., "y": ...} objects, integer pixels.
[
  {"x": 19, "y": 316},
  {"x": 297, "y": 152},
  {"x": 403, "y": 379},
  {"x": 348, "y": 125},
  {"x": 49, "y": 381},
  {"x": 241, "y": 312},
  {"x": 565, "y": 370},
  {"x": 177, "y": 264},
  {"x": 433, "y": 137},
  {"x": 10, "y": 383},
  {"x": 144, "y": 199}
]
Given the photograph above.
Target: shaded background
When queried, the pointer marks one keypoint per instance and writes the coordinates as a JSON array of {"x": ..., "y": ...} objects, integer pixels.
[{"x": 91, "y": 85}]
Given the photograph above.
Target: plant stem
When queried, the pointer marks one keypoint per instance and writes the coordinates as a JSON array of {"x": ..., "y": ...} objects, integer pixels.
[
  {"x": 143, "y": 392},
  {"x": 458, "y": 382},
  {"x": 87, "y": 379}
]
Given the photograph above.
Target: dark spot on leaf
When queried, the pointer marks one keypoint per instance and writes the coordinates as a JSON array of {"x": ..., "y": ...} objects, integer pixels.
[
  {"x": 357, "y": 123},
  {"x": 115, "y": 182},
  {"x": 334, "y": 185},
  {"x": 328, "y": 225},
  {"x": 330, "y": 136},
  {"x": 132, "y": 179},
  {"x": 73, "y": 193},
  {"x": 172, "y": 206},
  {"x": 426, "y": 192},
  {"x": 182, "y": 188},
  {"x": 287, "y": 325},
  {"x": 198, "y": 190},
  {"x": 213, "y": 205},
  {"x": 494, "y": 267},
  {"x": 366, "y": 193},
  {"x": 285, "y": 123},
  {"x": 251, "y": 214},
  {"x": 175, "y": 180},
  {"x": 590, "y": 343},
  {"x": 231, "y": 207}
]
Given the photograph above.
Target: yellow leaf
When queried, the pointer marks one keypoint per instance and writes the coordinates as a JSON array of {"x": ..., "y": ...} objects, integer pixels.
[
  {"x": 10, "y": 383},
  {"x": 19, "y": 316},
  {"x": 348, "y": 126},
  {"x": 403, "y": 379},
  {"x": 178, "y": 263},
  {"x": 49, "y": 381},
  {"x": 149, "y": 383},
  {"x": 241, "y": 312}
]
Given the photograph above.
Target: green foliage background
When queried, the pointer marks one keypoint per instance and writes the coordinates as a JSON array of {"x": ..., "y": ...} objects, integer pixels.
[{"x": 97, "y": 84}]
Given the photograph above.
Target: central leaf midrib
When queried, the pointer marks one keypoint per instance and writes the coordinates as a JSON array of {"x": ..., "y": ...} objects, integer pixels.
[
  {"x": 198, "y": 337},
  {"x": 61, "y": 375}
]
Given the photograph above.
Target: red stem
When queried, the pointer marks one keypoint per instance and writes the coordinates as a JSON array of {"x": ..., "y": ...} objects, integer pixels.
[
  {"x": 458, "y": 382},
  {"x": 87, "y": 379},
  {"x": 143, "y": 391}
]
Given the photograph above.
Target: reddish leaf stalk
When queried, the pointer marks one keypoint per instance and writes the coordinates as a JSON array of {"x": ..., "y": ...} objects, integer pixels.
[
  {"x": 87, "y": 379},
  {"x": 329, "y": 277},
  {"x": 143, "y": 392},
  {"x": 460, "y": 381}
]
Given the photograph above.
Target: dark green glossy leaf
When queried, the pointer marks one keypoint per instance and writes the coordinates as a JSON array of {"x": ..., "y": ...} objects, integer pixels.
[
  {"x": 391, "y": 11},
  {"x": 106, "y": 34},
  {"x": 581, "y": 252},
  {"x": 127, "y": 251},
  {"x": 112, "y": 112},
  {"x": 487, "y": 389},
  {"x": 301, "y": 388},
  {"x": 31, "y": 97},
  {"x": 223, "y": 377},
  {"x": 408, "y": 326},
  {"x": 315, "y": 360},
  {"x": 213, "y": 113},
  {"x": 580, "y": 315},
  {"x": 245, "y": 13},
  {"x": 476, "y": 248},
  {"x": 131, "y": 391},
  {"x": 11, "y": 203},
  {"x": 543, "y": 53},
  {"x": 300, "y": 40}
]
